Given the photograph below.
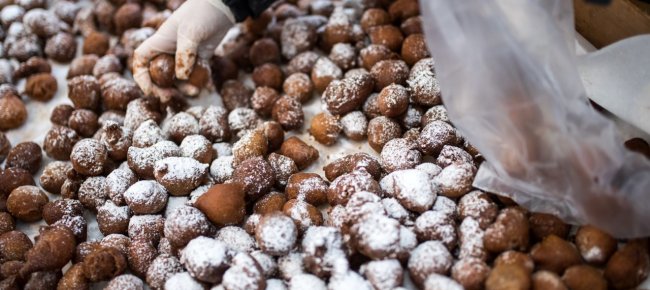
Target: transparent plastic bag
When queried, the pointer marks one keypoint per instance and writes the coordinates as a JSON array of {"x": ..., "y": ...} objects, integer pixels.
[{"x": 510, "y": 83}]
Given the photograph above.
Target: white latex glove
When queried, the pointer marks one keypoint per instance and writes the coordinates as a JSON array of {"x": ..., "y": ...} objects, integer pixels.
[{"x": 194, "y": 30}]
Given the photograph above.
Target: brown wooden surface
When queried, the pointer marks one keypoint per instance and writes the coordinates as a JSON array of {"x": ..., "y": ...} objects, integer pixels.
[{"x": 603, "y": 25}]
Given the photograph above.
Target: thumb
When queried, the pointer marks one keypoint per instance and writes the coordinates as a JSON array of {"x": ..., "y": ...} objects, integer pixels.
[{"x": 186, "y": 52}]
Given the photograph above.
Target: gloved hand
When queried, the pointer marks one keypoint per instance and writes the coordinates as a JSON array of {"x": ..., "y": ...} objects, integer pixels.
[{"x": 194, "y": 30}]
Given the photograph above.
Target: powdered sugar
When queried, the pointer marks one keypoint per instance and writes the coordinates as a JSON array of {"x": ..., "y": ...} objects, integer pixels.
[
  {"x": 236, "y": 239},
  {"x": 146, "y": 226},
  {"x": 348, "y": 280},
  {"x": 42, "y": 22},
  {"x": 66, "y": 10},
  {"x": 276, "y": 234},
  {"x": 323, "y": 250},
  {"x": 222, "y": 168},
  {"x": 378, "y": 236},
  {"x": 595, "y": 253},
  {"x": 205, "y": 259},
  {"x": 244, "y": 274},
  {"x": 184, "y": 281},
  {"x": 117, "y": 182},
  {"x": 344, "y": 55},
  {"x": 283, "y": 168},
  {"x": 296, "y": 37},
  {"x": 267, "y": 263},
  {"x": 478, "y": 205},
  {"x": 196, "y": 193},
  {"x": 452, "y": 154},
  {"x": 272, "y": 284},
  {"x": 440, "y": 282},
  {"x": 242, "y": 119},
  {"x": 306, "y": 281},
  {"x": 435, "y": 113},
  {"x": 429, "y": 258},
  {"x": 435, "y": 135},
  {"x": 77, "y": 224},
  {"x": 445, "y": 205},
  {"x": 11, "y": 13},
  {"x": 325, "y": 68},
  {"x": 430, "y": 168},
  {"x": 132, "y": 38},
  {"x": 147, "y": 194},
  {"x": 147, "y": 134},
  {"x": 354, "y": 124},
  {"x": 290, "y": 265},
  {"x": 112, "y": 213},
  {"x": 471, "y": 240},
  {"x": 411, "y": 188},
  {"x": 142, "y": 160},
  {"x": 384, "y": 274},
  {"x": 362, "y": 204},
  {"x": 183, "y": 172},
  {"x": 395, "y": 210},
  {"x": 125, "y": 281},
  {"x": 195, "y": 146},
  {"x": 456, "y": 179},
  {"x": 437, "y": 226},
  {"x": 399, "y": 154},
  {"x": 180, "y": 125},
  {"x": 425, "y": 88},
  {"x": 222, "y": 149}
]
